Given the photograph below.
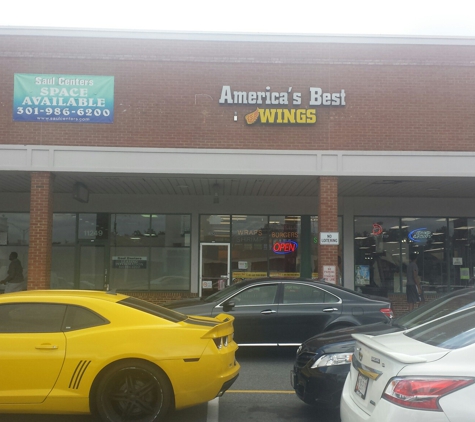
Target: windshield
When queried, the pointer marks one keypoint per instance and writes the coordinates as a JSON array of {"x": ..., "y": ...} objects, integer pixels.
[
  {"x": 450, "y": 332},
  {"x": 437, "y": 308}
]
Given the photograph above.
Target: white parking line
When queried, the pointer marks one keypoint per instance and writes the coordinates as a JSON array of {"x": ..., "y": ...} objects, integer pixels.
[{"x": 213, "y": 410}]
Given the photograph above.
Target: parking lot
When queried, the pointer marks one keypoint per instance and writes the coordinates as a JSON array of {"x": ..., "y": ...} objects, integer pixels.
[{"x": 262, "y": 393}]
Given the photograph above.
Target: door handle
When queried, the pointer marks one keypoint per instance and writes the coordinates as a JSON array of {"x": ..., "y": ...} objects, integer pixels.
[
  {"x": 268, "y": 311},
  {"x": 46, "y": 347},
  {"x": 330, "y": 309}
]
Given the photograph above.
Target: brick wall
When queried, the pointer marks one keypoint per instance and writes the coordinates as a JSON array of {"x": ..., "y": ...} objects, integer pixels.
[
  {"x": 41, "y": 223},
  {"x": 399, "y": 97},
  {"x": 327, "y": 221}
]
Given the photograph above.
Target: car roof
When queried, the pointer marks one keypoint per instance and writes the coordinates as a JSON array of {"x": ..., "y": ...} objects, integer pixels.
[
  {"x": 63, "y": 295},
  {"x": 321, "y": 283},
  {"x": 247, "y": 281}
]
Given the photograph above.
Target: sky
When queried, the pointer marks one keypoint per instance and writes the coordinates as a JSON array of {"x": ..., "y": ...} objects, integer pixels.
[{"x": 452, "y": 18}]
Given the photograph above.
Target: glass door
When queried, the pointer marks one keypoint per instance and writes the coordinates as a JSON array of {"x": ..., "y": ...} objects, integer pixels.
[
  {"x": 92, "y": 267},
  {"x": 215, "y": 267}
]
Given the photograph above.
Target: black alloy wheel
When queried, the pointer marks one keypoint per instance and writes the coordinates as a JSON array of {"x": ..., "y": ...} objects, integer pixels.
[{"x": 133, "y": 391}]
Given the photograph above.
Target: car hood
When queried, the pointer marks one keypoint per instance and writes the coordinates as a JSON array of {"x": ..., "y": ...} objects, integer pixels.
[
  {"x": 193, "y": 306},
  {"x": 334, "y": 339}
]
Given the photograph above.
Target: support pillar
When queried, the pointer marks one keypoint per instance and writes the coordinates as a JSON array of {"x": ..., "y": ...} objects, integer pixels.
[
  {"x": 327, "y": 222},
  {"x": 41, "y": 231}
]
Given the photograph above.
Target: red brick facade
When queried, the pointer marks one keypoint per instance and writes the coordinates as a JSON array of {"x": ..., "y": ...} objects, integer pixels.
[
  {"x": 412, "y": 95},
  {"x": 398, "y": 96},
  {"x": 328, "y": 220},
  {"x": 41, "y": 222}
]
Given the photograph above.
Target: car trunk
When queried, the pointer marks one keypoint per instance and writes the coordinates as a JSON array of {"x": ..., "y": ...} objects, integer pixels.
[{"x": 374, "y": 364}]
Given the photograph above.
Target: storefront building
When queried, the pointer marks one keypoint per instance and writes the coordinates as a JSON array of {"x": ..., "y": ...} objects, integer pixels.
[{"x": 167, "y": 165}]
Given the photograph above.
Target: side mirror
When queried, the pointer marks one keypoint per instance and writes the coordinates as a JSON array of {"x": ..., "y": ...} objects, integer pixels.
[{"x": 228, "y": 306}]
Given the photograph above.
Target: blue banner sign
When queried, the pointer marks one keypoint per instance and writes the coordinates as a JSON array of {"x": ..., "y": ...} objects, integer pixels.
[{"x": 63, "y": 98}]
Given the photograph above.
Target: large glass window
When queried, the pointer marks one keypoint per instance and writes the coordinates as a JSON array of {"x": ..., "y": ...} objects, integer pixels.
[
  {"x": 170, "y": 269},
  {"x": 130, "y": 268},
  {"x": 377, "y": 255},
  {"x": 14, "y": 228},
  {"x": 151, "y": 252},
  {"x": 62, "y": 267},
  {"x": 64, "y": 229},
  {"x": 462, "y": 260},
  {"x": 249, "y": 246},
  {"x": 14, "y": 237},
  {"x": 383, "y": 246},
  {"x": 262, "y": 245},
  {"x": 142, "y": 252},
  {"x": 93, "y": 226},
  {"x": 215, "y": 228},
  {"x": 284, "y": 246},
  {"x": 426, "y": 237}
]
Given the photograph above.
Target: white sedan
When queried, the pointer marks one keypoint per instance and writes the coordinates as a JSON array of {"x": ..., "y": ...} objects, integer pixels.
[{"x": 423, "y": 374}]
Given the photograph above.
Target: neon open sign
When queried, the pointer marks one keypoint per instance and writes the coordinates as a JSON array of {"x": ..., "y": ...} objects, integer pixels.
[{"x": 285, "y": 247}]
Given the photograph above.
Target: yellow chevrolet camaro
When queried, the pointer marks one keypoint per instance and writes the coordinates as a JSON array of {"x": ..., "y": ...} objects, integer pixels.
[{"x": 117, "y": 357}]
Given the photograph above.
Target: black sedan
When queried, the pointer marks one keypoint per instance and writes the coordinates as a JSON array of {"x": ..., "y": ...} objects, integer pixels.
[
  {"x": 285, "y": 312},
  {"x": 323, "y": 361}
]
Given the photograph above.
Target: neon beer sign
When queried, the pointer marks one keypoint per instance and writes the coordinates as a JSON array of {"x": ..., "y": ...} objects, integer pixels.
[
  {"x": 284, "y": 247},
  {"x": 420, "y": 235}
]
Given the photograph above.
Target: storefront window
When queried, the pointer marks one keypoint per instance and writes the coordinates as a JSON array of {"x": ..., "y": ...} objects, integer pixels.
[
  {"x": 62, "y": 267},
  {"x": 377, "y": 255},
  {"x": 170, "y": 269},
  {"x": 426, "y": 237},
  {"x": 14, "y": 237},
  {"x": 462, "y": 264},
  {"x": 5, "y": 251},
  {"x": 93, "y": 226},
  {"x": 14, "y": 228},
  {"x": 130, "y": 229},
  {"x": 215, "y": 228},
  {"x": 64, "y": 229},
  {"x": 284, "y": 246},
  {"x": 158, "y": 259},
  {"x": 383, "y": 246},
  {"x": 129, "y": 268},
  {"x": 249, "y": 246},
  {"x": 169, "y": 230},
  {"x": 151, "y": 252}
]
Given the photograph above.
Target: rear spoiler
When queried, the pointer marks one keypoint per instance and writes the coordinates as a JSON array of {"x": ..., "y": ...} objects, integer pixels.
[
  {"x": 376, "y": 345},
  {"x": 226, "y": 327}
]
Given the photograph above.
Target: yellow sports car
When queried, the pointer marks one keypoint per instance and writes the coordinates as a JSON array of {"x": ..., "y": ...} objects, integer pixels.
[{"x": 115, "y": 356}]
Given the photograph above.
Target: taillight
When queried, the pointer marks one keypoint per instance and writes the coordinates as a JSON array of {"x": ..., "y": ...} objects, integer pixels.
[
  {"x": 221, "y": 342},
  {"x": 387, "y": 311},
  {"x": 422, "y": 393}
]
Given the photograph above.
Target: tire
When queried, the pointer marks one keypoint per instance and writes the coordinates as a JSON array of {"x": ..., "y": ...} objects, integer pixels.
[{"x": 133, "y": 391}]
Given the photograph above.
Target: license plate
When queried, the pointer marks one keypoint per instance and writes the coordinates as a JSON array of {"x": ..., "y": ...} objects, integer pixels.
[{"x": 361, "y": 385}]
